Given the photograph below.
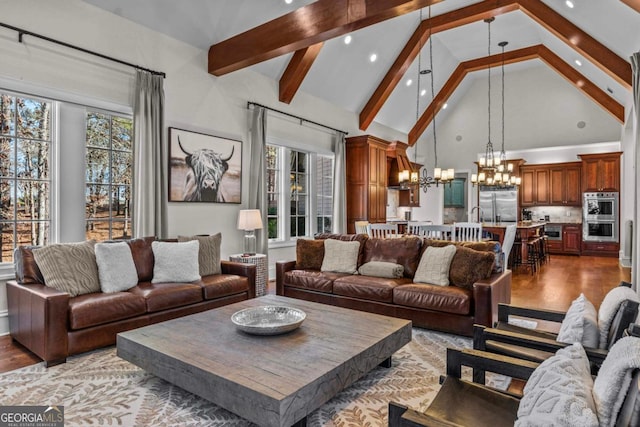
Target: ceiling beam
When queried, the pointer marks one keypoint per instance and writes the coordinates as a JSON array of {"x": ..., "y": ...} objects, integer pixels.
[
  {"x": 308, "y": 25},
  {"x": 296, "y": 71},
  {"x": 583, "y": 43},
  {"x": 533, "y": 52},
  {"x": 444, "y": 22},
  {"x": 605, "y": 59},
  {"x": 634, "y": 4}
]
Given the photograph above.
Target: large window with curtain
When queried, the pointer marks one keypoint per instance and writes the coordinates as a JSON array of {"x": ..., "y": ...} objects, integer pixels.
[
  {"x": 109, "y": 159},
  {"x": 26, "y": 131},
  {"x": 299, "y": 193}
]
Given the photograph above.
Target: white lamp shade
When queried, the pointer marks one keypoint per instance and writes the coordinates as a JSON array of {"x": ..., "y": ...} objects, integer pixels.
[
  {"x": 249, "y": 219},
  {"x": 474, "y": 177}
]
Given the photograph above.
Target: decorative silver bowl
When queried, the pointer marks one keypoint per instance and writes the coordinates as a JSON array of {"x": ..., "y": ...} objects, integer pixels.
[{"x": 268, "y": 319}]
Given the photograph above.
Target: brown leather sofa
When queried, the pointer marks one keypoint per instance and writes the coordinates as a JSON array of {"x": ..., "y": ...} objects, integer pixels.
[
  {"x": 54, "y": 325},
  {"x": 451, "y": 308}
]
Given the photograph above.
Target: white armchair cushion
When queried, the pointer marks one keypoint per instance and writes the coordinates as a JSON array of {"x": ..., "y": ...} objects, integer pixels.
[{"x": 580, "y": 324}]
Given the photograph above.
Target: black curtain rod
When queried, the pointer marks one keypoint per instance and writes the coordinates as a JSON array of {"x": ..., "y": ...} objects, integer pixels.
[
  {"x": 22, "y": 32},
  {"x": 249, "y": 104}
]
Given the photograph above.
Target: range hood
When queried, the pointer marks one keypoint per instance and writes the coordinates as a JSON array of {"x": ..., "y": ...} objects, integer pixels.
[{"x": 397, "y": 160}]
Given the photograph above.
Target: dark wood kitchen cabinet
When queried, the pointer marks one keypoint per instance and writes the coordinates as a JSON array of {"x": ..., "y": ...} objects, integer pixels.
[
  {"x": 534, "y": 189},
  {"x": 571, "y": 238},
  {"x": 601, "y": 172},
  {"x": 410, "y": 197},
  {"x": 366, "y": 179},
  {"x": 565, "y": 184}
]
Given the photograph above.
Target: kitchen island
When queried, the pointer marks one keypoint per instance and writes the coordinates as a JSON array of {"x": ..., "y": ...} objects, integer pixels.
[{"x": 525, "y": 230}]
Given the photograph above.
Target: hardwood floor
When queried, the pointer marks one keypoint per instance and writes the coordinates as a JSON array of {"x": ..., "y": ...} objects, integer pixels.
[{"x": 554, "y": 287}]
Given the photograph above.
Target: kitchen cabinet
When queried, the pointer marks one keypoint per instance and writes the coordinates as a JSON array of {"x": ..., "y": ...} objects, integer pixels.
[
  {"x": 601, "y": 172},
  {"x": 410, "y": 197},
  {"x": 606, "y": 249},
  {"x": 565, "y": 184},
  {"x": 534, "y": 189},
  {"x": 571, "y": 242},
  {"x": 366, "y": 179},
  {"x": 454, "y": 193},
  {"x": 556, "y": 184}
]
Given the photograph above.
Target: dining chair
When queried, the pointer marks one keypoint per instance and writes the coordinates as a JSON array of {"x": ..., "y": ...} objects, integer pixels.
[
  {"x": 382, "y": 231},
  {"x": 414, "y": 227},
  {"x": 507, "y": 243},
  {"x": 361, "y": 227},
  {"x": 433, "y": 231},
  {"x": 467, "y": 232}
]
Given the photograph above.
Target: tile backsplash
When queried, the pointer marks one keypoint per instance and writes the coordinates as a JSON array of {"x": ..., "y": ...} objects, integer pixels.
[{"x": 567, "y": 214}]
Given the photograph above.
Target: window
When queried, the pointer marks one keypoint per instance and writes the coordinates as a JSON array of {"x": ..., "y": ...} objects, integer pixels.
[
  {"x": 109, "y": 159},
  {"x": 25, "y": 151},
  {"x": 299, "y": 192}
]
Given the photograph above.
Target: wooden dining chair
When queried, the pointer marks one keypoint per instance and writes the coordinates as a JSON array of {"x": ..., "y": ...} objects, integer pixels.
[
  {"x": 414, "y": 227},
  {"x": 467, "y": 232},
  {"x": 361, "y": 227},
  {"x": 382, "y": 231},
  {"x": 432, "y": 231}
]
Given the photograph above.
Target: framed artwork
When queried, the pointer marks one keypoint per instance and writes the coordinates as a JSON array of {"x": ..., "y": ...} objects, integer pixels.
[{"x": 204, "y": 168}]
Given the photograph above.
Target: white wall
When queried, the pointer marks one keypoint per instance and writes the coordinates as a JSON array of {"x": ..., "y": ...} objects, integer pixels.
[{"x": 194, "y": 99}]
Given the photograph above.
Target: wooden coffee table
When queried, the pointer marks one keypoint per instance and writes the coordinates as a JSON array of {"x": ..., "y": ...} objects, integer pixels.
[{"x": 270, "y": 380}]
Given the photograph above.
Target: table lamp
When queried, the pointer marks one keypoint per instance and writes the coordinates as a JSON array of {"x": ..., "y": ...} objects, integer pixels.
[{"x": 249, "y": 220}]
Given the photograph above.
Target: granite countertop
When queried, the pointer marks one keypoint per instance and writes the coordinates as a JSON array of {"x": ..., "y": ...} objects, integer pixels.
[{"x": 519, "y": 224}]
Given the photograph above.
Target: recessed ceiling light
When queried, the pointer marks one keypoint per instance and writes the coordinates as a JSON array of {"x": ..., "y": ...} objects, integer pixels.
[
  {"x": 409, "y": 82},
  {"x": 578, "y": 63},
  {"x": 347, "y": 39},
  {"x": 373, "y": 57},
  {"x": 288, "y": 1},
  {"x": 423, "y": 92},
  {"x": 444, "y": 107},
  {"x": 569, "y": 4}
]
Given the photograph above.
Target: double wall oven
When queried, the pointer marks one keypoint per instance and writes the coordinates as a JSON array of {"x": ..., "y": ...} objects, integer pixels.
[{"x": 600, "y": 217}]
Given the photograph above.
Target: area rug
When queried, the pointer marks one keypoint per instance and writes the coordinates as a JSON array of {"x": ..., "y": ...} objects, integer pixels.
[{"x": 99, "y": 388}]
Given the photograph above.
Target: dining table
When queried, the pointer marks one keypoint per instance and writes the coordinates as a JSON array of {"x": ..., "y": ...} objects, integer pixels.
[{"x": 525, "y": 230}]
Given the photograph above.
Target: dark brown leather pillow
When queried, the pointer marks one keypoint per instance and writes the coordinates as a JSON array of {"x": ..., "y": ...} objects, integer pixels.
[
  {"x": 404, "y": 251},
  {"x": 143, "y": 257},
  {"x": 26, "y": 269},
  {"x": 309, "y": 254},
  {"x": 469, "y": 266}
]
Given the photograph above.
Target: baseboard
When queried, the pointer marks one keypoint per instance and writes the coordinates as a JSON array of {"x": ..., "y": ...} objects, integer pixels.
[
  {"x": 624, "y": 261},
  {"x": 4, "y": 322}
]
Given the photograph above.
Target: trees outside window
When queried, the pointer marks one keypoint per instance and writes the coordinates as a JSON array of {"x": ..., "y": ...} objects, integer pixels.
[
  {"x": 109, "y": 160},
  {"x": 25, "y": 183}
]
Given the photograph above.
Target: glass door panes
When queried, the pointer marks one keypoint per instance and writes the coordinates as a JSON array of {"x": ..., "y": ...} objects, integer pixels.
[
  {"x": 299, "y": 193},
  {"x": 273, "y": 192}
]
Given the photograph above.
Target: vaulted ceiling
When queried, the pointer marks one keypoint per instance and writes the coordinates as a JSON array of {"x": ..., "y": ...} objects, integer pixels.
[{"x": 301, "y": 45}]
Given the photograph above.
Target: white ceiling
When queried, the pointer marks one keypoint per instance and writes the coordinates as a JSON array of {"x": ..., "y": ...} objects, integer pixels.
[{"x": 343, "y": 75}]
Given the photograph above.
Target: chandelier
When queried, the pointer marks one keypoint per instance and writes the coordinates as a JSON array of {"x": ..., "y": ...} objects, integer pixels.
[
  {"x": 439, "y": 175},
  {"x": 495, "y": 170}
]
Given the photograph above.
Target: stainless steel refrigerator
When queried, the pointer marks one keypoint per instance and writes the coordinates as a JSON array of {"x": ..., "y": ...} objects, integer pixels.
[{"x": 497, "y": 202}]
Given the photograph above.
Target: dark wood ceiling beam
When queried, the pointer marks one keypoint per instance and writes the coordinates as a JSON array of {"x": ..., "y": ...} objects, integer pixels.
[
  {"x": 613, "y": 65},
  {"x": 296, "y": 71},
  {"x": 308, "y": 25},
  {"x": 585, "y": 85},
  {"x": 634, "y": 4},
  {"x": 444, "y": 22},
  {"x": 511, "y": 57}
]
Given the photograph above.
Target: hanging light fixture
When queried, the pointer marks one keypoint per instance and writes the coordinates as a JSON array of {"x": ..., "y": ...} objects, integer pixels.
[
  {"x": 439, "y": 175},
  {"x": 492, "y": 169}
]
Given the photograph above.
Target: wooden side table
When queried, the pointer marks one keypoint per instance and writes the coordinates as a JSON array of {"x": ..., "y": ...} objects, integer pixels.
[{"x": 262, "y": 270}]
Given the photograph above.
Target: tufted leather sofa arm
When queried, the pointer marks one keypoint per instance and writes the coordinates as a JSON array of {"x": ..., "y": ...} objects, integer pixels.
[
  {"x": 281, "y": 268},
  {"x": 241, "y": 269},
  {"x": 38, "y": 319},
  {"x": 487, "y": 294}
]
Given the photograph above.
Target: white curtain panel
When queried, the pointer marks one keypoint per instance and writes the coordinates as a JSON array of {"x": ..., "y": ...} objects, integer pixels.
[
  {"x": 339, "y": 224},
  {"x": 150, "y": 158},
  {"x": 258, "y": 175},
  {"x": 635, "y": 262}
]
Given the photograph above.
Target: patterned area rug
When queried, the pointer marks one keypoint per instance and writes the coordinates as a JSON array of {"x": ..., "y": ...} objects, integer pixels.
[{"x": 99, "y": 388}]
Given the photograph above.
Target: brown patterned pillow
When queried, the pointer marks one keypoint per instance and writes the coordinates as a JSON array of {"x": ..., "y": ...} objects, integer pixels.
[
  {"x": 208, "y": 254},
  {"x": 309, "y": 254},
  {"x": 469, "y": 266},
  {"x": 69, "y": 267}
]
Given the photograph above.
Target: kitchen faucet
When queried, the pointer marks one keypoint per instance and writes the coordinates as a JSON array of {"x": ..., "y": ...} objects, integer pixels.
[{"x": 480, "y": 212}]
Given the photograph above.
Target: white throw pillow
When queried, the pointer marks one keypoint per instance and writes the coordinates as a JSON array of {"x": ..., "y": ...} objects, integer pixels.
[
  {"x": 558, "y": 393},
  {"x": 340, "y": 257},
  {"x": 175, "y": 262},
  {"x": 434, "y": 265},
  {"x": 609, "y": 308},
  {"x": 387, "y": 270},
  {"x": 580, "y": 324},
  {"x": 116, "y": 268}
]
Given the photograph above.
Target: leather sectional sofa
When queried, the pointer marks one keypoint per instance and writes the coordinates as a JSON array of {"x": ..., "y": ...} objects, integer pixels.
[
  {"x": 54, "y": 325},
  {"x": 453, "y": 309}
]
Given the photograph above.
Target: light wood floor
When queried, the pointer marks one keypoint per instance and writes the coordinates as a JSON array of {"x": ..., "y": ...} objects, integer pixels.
[{"x": 554, "y": 287}]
